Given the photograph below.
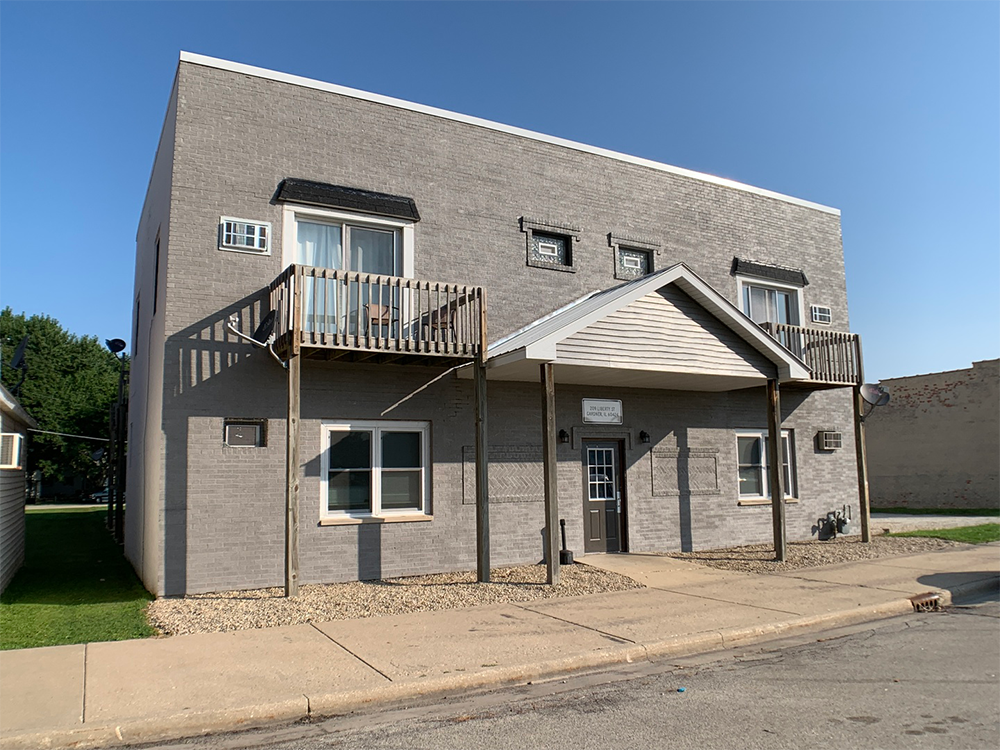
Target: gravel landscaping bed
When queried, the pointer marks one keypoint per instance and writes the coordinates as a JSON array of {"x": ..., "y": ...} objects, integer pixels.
[
  {"x": 265, "y": 608},
  {"x": 759, "y": 558}
]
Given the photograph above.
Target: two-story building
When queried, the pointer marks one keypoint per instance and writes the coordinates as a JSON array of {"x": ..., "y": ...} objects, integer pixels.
[{"x": 425, "y": 266}]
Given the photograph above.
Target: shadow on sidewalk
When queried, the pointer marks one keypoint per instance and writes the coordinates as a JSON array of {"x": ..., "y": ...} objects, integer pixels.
[{"x": 957, "y": 581}]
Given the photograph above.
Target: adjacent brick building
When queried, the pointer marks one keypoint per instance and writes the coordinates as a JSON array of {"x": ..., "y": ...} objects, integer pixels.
[
  {"x": 636, "y": 280},
  {"x": 936, "y": 444}
]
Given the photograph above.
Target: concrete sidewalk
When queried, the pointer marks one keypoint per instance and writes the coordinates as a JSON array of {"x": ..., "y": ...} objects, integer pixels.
[{"x": 125, "y": 692}]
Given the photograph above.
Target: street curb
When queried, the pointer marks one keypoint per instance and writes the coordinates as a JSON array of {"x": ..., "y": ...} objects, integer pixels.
[{"x": 188, "y": 725}]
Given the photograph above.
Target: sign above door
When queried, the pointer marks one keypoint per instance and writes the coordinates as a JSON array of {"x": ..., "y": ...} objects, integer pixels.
[{"x": 602, "y": 411}]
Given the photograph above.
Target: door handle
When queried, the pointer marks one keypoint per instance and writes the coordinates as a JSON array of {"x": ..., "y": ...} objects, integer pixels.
[{"x": 618, "y": 504}]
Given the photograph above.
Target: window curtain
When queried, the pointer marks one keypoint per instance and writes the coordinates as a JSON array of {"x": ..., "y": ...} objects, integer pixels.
[{"x": 319, "y": 245}]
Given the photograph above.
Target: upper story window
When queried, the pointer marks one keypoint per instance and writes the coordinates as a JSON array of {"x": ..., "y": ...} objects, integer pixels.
[
  {"x": 245, "y": 236},
  {"x": 550, "y": 245},
  {"x": 633, "y": 256},
  {"x": 770, "y": 304},
  {"x": 770, "y": 294},
  {"x": 551, "y": 248},
  {"x": 343, "y": 241}
]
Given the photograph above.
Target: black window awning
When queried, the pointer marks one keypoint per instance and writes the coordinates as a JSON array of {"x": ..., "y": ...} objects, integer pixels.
[
  {"x": 764, "y": 271},
  {"x": 293, "y": 190}
]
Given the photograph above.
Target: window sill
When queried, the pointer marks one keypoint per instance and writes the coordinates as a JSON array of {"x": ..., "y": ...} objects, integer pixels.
[
  {"x": 358, "y": 520},
  {"x": 534, "y": 263},
  {"x": 764, "y": 501}
]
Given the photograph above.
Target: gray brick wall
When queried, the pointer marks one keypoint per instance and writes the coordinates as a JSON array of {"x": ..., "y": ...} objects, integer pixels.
[{"x": 238, "y": 136}]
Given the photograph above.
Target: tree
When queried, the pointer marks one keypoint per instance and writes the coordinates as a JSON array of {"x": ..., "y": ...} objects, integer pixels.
[{"x": 70, "y": 384}]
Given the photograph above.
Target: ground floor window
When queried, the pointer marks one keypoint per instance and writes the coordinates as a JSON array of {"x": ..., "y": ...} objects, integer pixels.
[
  {"x": 375, "y": 468},
  {"x": 751, "y": 449}
]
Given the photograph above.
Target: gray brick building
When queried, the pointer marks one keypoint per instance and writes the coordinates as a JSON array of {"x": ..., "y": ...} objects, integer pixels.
[{"x": 391, "y": 240}]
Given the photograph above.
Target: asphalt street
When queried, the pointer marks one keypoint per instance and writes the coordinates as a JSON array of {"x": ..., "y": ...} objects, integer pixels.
[{"x": 922, "y": 680}]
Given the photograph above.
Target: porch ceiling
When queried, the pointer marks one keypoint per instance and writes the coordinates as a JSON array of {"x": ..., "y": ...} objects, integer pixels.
[{"x": 526, "y": 370}]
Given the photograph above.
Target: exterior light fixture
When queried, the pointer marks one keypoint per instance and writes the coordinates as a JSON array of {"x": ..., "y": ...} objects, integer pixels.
[
  {"x": 643, "y": 437},
  {"x": 563, "y": 436}
]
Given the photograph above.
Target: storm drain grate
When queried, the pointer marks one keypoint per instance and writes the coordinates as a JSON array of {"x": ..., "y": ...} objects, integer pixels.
[{"x": 929, "y": 602}]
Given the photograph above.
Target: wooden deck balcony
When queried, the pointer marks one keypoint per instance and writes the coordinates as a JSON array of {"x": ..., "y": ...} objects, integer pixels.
[
  {"x": 833, "y": 357},
  {"x": 358, "y": 317}
]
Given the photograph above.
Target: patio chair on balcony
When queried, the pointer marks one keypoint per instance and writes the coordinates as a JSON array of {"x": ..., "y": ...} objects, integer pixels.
[
  {"x": 378, "y": 317},
  {"x": 439, "y": 324}
]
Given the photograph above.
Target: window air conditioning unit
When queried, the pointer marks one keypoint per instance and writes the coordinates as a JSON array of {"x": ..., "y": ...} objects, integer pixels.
[
  {"x": 820, "y": 314},
  {"x": 11, "y": 450},
  {"x": 830, "y": 441}
]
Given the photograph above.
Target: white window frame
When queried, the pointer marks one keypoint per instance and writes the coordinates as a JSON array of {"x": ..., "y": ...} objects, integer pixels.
[
  {"x": 791, "y": 493},
  {"x": 816, "y": 314},
  {"x": 292, "y": 213},
  {"x": 376, "y": 428},
  {"x": 243, "y": 248},
  {"x": 745, "y": 281}
]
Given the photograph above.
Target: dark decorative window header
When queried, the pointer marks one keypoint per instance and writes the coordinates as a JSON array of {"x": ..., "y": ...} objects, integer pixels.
[
  {"x": 337, "y": 196},
  {"x": 764, "y": 271}
]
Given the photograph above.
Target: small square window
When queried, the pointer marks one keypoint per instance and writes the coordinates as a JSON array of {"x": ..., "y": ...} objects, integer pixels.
[
  {"x": 632, "y": 263},
  {"x": 245, "y": 433},
  {"x": 550, "y": 248},
  {"x": 550, "y": 245},
  {"x": 821, "y": 314},
  {"x": 244, "y": 236}
]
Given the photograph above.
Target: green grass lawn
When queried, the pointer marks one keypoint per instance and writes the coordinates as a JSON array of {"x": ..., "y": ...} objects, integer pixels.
[
  {"x": 75, "y": 586},
  {"x": 941, "y": 511},
  {"x": 987, "y": 532}
]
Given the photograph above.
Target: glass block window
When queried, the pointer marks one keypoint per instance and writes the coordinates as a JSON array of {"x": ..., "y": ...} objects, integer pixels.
[
  {"x": 550, "y": 248},
  {"x": 376, "y": 468},
  {"x": 245, "y": 236},
  {"x": 631, "y": 263}
]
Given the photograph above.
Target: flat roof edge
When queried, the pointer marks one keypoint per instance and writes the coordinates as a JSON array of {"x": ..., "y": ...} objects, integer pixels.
[{"x": 235, "y": 67}]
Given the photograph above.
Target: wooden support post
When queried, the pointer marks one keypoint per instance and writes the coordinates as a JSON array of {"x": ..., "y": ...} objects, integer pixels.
[
  {"x": 550, "y": 468},
  {"x": 482, "y": 453},
  {"x": 859, "y": 446},
  {"x": 292, "y": 478},
  {"x": 775, "y": 472}
]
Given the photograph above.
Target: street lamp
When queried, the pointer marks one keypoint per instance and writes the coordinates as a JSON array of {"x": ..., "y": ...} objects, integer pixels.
[{"x": 116, "y": 448}]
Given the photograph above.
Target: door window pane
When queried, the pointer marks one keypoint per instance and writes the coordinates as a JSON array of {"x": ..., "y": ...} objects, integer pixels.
[
  {"x": 766, "y": 305},
  {"x": 372, "y": 251},
  {"x": 318, "y": 245}
]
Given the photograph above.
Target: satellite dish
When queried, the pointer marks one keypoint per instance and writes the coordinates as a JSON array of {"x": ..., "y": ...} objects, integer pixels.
[
  {"x": 17, "y": 362},
  {"x": 874, "y": 394},
  {"x": 115, "y": 345},
  {"x": 265, "y": 329}
]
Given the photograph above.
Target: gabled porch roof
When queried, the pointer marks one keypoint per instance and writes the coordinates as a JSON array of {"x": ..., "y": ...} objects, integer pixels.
[{"x": 670, "y": 329}]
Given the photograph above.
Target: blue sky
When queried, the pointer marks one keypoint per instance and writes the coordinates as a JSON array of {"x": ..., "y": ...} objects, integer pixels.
[{"x": 890, "y": 112}]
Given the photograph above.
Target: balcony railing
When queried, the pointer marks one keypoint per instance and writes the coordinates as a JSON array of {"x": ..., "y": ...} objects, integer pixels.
[
  {"x": 832, "y": 356},
  {"x": 362, "y": 315}
]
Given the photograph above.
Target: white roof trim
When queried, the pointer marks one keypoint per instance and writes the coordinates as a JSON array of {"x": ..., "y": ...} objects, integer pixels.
[
  {"x": 251, "y": 70},
  {"x": 10, "y": 406},
  {"x": 538, "y": 341}
]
